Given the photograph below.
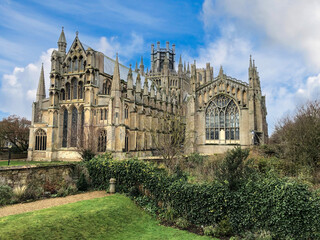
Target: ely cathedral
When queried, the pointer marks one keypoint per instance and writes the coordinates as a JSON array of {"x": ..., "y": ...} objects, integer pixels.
[{"x": 95, "y": 102}]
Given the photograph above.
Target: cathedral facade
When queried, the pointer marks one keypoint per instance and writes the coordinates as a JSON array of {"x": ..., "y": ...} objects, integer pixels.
[{"x": 95, "y": 102}]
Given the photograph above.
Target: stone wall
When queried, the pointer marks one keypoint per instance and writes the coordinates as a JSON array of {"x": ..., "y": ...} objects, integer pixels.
[{"x": 23, "y": 175}]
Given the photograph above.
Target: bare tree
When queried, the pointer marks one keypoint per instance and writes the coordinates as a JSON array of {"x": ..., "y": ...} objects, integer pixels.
[
  {"x": 171, "y": 140},
  {"x": 299, "y": 136},
  {"x": 15, "y": 129}
]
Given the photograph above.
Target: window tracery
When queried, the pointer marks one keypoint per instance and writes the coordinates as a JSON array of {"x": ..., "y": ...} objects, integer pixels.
[
  {"x": 41, "y": 140},
  {"x": 222, "y": 114},
  {"x": 102, "y": 141}
]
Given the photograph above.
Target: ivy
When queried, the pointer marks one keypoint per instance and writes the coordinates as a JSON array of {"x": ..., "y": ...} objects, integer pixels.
[{"x": 286, "y": 208}]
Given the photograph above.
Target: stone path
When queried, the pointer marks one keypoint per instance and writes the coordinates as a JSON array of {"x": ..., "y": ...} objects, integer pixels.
[{"x": 47, "y": 203}]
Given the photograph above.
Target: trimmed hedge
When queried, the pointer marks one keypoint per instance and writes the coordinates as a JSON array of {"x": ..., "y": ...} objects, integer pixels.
[{"x": 284, "y": 207}]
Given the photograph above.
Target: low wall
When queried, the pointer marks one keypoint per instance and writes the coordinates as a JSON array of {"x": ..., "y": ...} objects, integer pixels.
[{"x": 24, "y": 175}]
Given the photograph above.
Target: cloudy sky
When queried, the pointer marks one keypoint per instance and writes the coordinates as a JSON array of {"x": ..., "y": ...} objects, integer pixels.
[{"x": 282, "y": 36}]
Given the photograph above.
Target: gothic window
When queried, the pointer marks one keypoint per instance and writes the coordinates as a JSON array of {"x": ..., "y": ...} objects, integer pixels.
[
  {"x": 62, "y": 95},
  {"x": 80, "y": 94},
  {"x": 104, "y": 89},
  {"x": 41, "y": 140},
  {"x": 74, "y": 88},
  {"x": 126, "y": 111},
  {"x": 101, "y": 114},
  {"x": 222, "y": 114},
  {"x": 126, "y": 142},
  {"x": 81, "y": 64},
  {"x": 74, "y": 127},
  {"x": 105, "y": 114},
  {"x": 76, "y": 64},
  {"x": 65, "y": 129},
  {"x": 68, "y": 91},
  {"x": 102, "y": 141},
  {"x": 70, "y": 66}
]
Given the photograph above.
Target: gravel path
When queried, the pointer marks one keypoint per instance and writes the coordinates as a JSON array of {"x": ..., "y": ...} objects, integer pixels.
[{"x": 47, "y": 203}]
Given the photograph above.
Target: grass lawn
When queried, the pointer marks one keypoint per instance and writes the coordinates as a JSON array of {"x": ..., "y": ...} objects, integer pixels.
[
  {"x": 26, "y": 163},
  {"x": 113, "y": 217}
]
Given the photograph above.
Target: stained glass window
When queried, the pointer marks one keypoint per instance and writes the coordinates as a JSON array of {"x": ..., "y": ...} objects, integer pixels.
[{"x": 222, "y": 114}]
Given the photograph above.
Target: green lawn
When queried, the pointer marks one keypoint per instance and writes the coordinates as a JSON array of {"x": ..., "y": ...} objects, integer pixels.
[
  {"x": 113, "y": 217},
  {"x": 26, "y": 163}
]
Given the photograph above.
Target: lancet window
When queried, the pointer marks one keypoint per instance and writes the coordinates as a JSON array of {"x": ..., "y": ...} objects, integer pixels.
[
  {"x": 102, "y": 141},
  {"x": 65, "y": 129},
  {"x": 74, "y": 127}
]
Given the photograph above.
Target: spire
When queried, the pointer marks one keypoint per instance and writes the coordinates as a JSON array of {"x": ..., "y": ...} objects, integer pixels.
[
  {"x": 180, "y": 66},
  {"x": 138, "y": 84},
  {"x": 145, "y": 87},
  {"x": 130, "y": 79},
  {"x": 221, "y": 71},
  {"x": 62, "y": 43},
  {"x": 116, "y": 83},
  {"x": 136, "y": 68},
  {"x": 250, "y": 63},
  {"x": 180, "y": 60},
  {"x": 184, "y": 66},
  {"x": 41, "y": 93},
  {"x": 141, "y": 67},
  {"x": 188, "y": 68}
]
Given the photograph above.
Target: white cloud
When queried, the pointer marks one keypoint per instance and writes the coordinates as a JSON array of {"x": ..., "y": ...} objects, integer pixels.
[
  {"x": 18, "y": 89},
  {"x": 111, "y": 46},
  {"x": 282, "y": 38}
]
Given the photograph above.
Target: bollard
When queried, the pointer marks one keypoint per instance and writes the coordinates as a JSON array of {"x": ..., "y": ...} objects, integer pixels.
[{"x": 112, "y": 189}]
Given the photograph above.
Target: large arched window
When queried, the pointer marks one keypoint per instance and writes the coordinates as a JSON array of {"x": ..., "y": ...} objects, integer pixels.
[
  {"x": 65, "y": 129},
  {"x": 74, "y": 127},
  {"x": 80, "y": 91},
  {"x": 222, "y": 114},
  {"x": 41, "y": 140},
  {"x": 102, "y": 141}
]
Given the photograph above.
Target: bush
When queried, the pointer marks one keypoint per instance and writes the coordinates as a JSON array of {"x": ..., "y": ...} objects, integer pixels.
[
  {"x": 82, "y": 183},
  {"x": 194, "y": 159},
  {"x": 182, "y": 223},
  {"x": 282, "y": 206},
  {"x": 233, "y": 170},
  {"x": 34, "y": 189},
  {"x": 19, "y": 193},
  {"x": 5, "y": 194}
]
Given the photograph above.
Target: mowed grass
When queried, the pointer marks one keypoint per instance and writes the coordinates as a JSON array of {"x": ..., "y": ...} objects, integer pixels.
[
  {"x": 27, "y": 163},
  {"x": 112, "y": 217}
]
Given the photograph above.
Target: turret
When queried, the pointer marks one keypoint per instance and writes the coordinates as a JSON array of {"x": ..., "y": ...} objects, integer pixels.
[
  {"x": 138, "y": 88},
  {"x": 41, "y": 92},
  {"x": 208, "y": 72},
  {"x": 145, "y": 91},
  {"x": 180, "y": 66},
  {"x": 62, "y": 43}
]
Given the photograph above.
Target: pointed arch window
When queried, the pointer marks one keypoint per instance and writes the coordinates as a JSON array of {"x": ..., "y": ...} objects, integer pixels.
[
  {"x": 62, "y": 95},
  {"x": 41, "y": 140},
  {"x": 81, "y": 64},
  {"x": 74, "y": 85},
  {"x": 81, "y": 89},
  {"x": 106, "y": 114},
  {"x": 74, "y": 127},
  {"x": 222, "y": 114},
  {"x": 102, "y": 141},
  {"x": 126, "y": 111},
  {"x": 76, "y": 64},
  {"x": 68, "y": 91},
  {"x": 65, "y": 129}
]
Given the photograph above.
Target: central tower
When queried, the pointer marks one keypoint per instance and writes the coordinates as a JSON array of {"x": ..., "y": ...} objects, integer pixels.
[{"x": 161, "y": 56}]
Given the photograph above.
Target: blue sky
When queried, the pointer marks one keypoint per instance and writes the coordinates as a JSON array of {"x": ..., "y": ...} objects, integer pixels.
[{"x": 282, "y": 36}]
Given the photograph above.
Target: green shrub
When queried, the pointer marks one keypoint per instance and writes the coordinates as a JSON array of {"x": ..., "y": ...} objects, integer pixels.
[
  {"x": 5, "y": 194},
  {"x": 182, "y": 223},
  {"x": 19, "y": 193},
  {"x": 82, "y": 183},
  {"x": 283, "y": 207},
  {"x": 233, "y": 170},
  {"x": 194, "y": 159}
]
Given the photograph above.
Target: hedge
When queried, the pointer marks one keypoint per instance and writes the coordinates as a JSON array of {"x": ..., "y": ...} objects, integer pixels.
[{"x": 286, "y": 208}]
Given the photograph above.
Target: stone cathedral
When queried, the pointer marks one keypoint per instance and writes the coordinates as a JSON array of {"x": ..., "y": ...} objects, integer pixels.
[{"x": 97, "y": 102}]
